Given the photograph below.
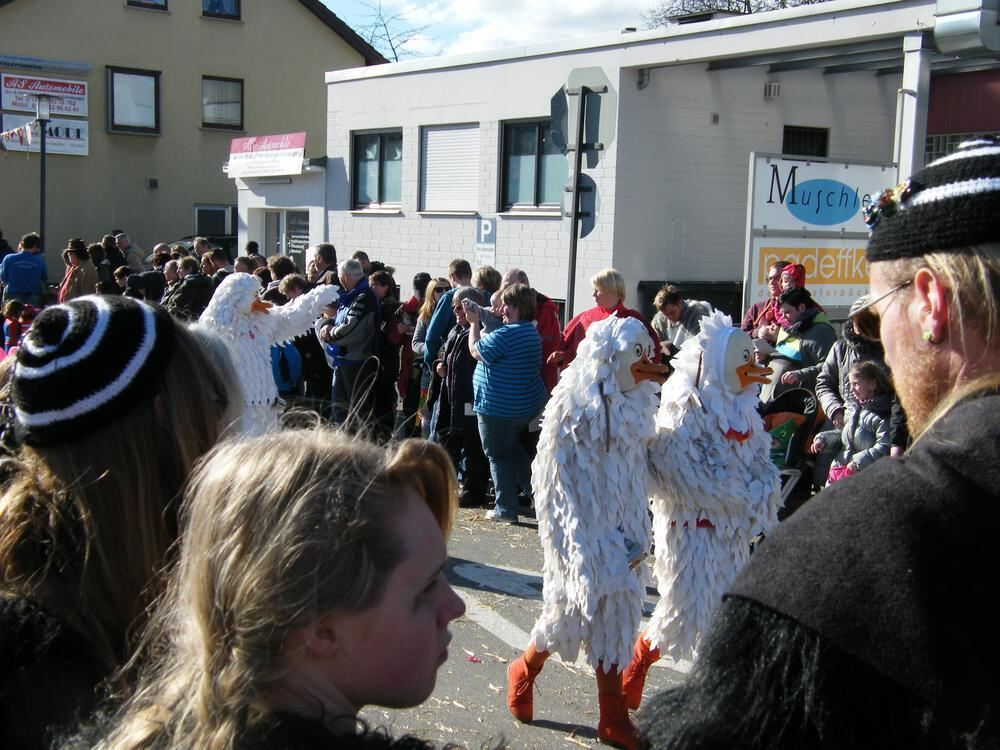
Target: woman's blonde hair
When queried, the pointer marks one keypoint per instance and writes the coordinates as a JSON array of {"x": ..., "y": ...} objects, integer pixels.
[
  {"x": 429, "y": 303},
  {"x": 267, "y": 547},
  {"x": 972, "y": 279},
  {"x": 609, "y": 280},
  {"x": 87, "y": 525}
]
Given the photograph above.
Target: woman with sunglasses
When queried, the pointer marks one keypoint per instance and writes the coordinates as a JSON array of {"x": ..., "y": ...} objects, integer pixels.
[{"x": 432, "y": 295}]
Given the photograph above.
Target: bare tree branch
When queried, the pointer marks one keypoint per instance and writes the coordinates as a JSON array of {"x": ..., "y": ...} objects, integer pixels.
[
  {"x": 662, "y": 13},
  {"x": 388, "y": 31}
]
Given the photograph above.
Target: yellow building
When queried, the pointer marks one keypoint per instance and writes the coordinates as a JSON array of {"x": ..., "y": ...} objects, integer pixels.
[{"x": 166, "y": 84}]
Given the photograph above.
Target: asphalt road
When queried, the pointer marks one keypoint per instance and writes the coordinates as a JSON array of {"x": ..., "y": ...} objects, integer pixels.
[{"x": 496, "y": 569}]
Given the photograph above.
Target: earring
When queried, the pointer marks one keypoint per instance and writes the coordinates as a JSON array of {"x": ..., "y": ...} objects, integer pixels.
[{"x": 929, "y": 337}]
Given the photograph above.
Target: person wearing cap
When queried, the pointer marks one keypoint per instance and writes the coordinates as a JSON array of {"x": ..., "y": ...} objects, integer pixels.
[
  {"x": 108, "y": 408},
  {"x": 866, "y": 619},
  {"x": 81, "y": 275}
]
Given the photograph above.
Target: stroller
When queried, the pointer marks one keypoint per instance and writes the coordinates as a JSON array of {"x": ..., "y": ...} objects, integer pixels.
[{"x": 792, "y": 418}]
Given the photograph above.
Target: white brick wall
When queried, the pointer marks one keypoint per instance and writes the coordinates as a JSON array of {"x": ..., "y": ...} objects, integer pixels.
[{"x": 672, "y": 187}]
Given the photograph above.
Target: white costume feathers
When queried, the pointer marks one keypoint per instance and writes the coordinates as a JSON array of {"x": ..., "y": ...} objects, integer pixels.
[
  {"x": 713, "y": 483},
  {"x": 250, "y": 331},
  {"x": 589, "y": 482}
]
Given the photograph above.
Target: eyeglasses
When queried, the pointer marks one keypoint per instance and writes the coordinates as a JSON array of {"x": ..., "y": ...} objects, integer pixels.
[{"x": 869, "y": 308}]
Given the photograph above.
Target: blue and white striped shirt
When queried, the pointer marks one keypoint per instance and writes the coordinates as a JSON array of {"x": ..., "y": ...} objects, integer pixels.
[{"x": 507, "y": 383}]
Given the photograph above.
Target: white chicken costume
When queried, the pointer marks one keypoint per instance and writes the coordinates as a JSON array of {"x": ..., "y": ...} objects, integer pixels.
[
  {"x": 713, "y": 486},
  {"x": 589, "y": 482},
  {"x": 250, "y": 327}
]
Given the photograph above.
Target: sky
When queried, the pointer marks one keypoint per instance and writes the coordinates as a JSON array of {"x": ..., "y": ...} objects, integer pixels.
[{"x": 460, "y": 26}]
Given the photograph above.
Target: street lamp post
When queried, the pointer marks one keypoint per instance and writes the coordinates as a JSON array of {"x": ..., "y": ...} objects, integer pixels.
[{"x": 42, "y": 113}]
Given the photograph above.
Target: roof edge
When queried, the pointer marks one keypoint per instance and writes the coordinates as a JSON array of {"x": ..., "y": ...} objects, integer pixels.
[
  {"x": 372, "y": 56},
  {"x": 834, "y": 10}
]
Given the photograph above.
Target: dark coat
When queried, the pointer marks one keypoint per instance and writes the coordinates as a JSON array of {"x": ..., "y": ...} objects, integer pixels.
[
  {"x": 870, "y": 611},
  {"x": 192, "y": 296},
  {"x": 289, "y": 732},
  {"x": 48, "y": 678},
  {"x": 457, "y": 386},
  {"x": 831, "y": 383}
]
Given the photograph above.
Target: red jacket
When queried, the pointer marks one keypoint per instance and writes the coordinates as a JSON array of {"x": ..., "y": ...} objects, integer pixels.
[
  {"x": 547, "y": 325},
  {"x": 576, "y": 329},
  {"x": 407, "y": 313}
]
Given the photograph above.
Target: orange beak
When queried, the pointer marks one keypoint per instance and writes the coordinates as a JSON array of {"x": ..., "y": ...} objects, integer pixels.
[
  {"x": 752, "y": 373},
  {"x": 260, "y": 306},
  {"x": 646, "y": 370}
]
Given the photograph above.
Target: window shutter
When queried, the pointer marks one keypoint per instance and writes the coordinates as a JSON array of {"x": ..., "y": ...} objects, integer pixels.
[
  {"x": 222, "y": 102},
  {"x": 449, "y": 168}
]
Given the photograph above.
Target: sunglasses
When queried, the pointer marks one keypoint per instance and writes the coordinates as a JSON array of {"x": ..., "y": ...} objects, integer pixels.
[
  {"x": 441, "y": 289},
  {"x": 869, "y": 308}
]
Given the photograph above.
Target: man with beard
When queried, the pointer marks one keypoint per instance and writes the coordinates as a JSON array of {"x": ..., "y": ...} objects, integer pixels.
[{"x": 866, "y": 620}]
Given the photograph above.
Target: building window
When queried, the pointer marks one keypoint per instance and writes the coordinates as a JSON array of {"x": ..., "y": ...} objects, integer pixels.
[
  {"x": 801, "y": 141},
  {"x": 449, "y": 168},
  {"x": 213, "y": 220},
  {"x": 150, "y": 4},
  {"x": 222, "y": 102},
  {"x": 937, "y": 146},
  {"x": 133, "y": 101},
  {"x": 535, "y": 170},
  {"x": 378, "y": 169},
  {"x": 221, "y": 9}
]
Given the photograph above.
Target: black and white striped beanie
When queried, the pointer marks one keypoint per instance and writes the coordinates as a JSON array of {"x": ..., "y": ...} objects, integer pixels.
[
  {"x": 84, "y": 364},
  {"x": 948, "y": 206}
]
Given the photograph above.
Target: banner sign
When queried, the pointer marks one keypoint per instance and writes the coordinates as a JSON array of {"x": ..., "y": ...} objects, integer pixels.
[
  {"x": 797, "y": 195},
  {"x": 18, "y": 94},
  {"x": 70, "y": 137},
  {"x": 267, "y": 155},
  {"x": 836, "y": 270}
]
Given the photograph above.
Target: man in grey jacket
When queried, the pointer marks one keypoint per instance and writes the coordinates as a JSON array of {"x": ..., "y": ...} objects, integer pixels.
[{"x": 349, "y": 339}]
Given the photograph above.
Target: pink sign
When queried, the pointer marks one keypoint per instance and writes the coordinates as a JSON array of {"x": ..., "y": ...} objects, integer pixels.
[
  {"x": 267, "y": 155},
  {"x": 19, "y": 94}
]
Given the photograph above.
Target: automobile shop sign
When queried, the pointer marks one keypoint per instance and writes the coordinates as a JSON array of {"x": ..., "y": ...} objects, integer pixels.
[
  {"x": 19, "y": 93},
  {"x": 267, "y": 155}
]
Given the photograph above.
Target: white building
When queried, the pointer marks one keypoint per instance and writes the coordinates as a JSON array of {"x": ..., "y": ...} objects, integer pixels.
[{"x": 421, "y": 153}]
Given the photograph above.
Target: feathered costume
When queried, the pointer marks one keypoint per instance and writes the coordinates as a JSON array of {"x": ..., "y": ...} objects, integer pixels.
[
  {"x": 713, "y": 483},
  {"x": 250, "y": 327},
  {"x": 589, "y": 482}
]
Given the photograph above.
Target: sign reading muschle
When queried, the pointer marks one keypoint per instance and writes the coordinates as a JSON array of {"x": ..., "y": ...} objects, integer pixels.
[
  {"x": 267, "y": 155},
  {"x": 18, "y": 93},
  {"x": 796, "y": 195}
]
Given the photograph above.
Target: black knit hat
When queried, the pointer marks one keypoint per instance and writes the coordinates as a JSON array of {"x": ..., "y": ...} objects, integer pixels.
[
  {"x": 949, "y": 206},
  {"x": 84, "y": 364}
]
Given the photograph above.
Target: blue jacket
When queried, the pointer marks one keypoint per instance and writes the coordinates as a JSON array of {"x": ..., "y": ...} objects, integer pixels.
[{"x": 23, "y": 273}]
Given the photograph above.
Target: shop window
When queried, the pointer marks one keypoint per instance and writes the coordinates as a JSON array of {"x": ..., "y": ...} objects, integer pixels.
[
  {"x": 535, "y": 170},
  {"x": 802, "y": 141},
  {"x": 449, "y": 168},
  {"x": 150, "y": 4},
  {"x": 211, "y": 220},
  {"x": 378, "y": 169},
  {"x": 221, "y": 9},
  {"x": 133, "y": 101},
  {"x": 222, "y": 103}
]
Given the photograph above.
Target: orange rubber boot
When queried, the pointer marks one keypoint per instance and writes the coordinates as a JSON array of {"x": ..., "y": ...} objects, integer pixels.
[
  {"x": 615, "y": 727},
  {"x": 521, "y": 676},
  {"x": 634, "y": 677}
]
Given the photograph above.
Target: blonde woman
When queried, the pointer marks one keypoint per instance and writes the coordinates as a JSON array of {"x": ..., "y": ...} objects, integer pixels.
[
  {"x": 305, "y": 590},
  {"x": 432, "y": 294},
  {"x": 112, "y": 403},
  {"x": 609, "y": 299}
]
